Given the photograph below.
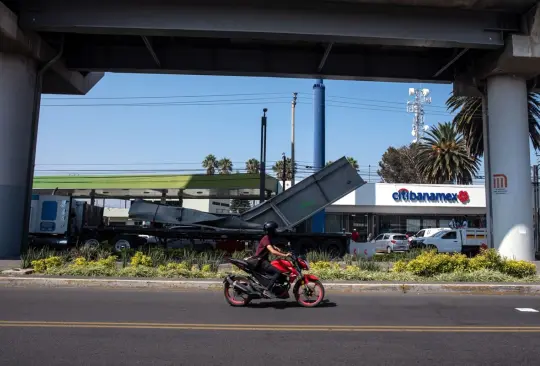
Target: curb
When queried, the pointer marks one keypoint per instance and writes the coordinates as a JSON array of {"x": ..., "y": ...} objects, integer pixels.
[{"x": 343, "y": 287}]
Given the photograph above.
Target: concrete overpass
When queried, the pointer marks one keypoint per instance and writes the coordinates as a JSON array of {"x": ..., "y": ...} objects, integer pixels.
[{"x": 488, "y": 48}]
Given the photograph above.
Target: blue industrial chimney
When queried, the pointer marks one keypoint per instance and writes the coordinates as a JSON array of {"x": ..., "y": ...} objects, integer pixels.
[{"x": 318, "y": 220}]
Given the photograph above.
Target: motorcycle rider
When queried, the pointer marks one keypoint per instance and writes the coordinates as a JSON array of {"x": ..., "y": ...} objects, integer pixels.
[{"x": 265, "y": 247}]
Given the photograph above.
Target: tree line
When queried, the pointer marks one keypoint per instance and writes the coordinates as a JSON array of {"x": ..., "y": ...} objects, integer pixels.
[
  {"x": 214, "y": 165},
  {"x": 451, "y": 151}
]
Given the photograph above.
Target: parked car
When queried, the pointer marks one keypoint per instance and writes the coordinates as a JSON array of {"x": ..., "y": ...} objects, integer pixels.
[
  {"x": 417, "y": 240},
  {"x": 390, "y": 242}
]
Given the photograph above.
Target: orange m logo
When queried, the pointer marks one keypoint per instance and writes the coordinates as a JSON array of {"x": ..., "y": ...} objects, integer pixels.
[{"x": 500, "y": 181}]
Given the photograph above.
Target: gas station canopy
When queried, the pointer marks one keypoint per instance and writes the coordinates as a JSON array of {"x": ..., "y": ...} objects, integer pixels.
[{"x": 245, "y": 186}]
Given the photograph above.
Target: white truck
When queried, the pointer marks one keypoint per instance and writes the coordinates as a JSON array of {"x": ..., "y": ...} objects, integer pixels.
[{"x": 467, "y": 241}]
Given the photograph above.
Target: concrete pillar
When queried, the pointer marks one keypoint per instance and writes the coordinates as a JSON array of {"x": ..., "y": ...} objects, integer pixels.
[
  {"x": 319, "y": 219},
  {"x": 509, "y": 159},
  {"x": 17, "y": 82}
]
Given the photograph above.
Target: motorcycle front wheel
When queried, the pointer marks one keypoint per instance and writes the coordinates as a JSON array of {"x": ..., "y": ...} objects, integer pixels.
[
  {"x": 310, "y": 295},
  {"x": 234, "y": 296}
]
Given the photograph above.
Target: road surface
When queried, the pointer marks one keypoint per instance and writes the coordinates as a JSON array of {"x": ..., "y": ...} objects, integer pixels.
[{"x": 40, "y": 326}]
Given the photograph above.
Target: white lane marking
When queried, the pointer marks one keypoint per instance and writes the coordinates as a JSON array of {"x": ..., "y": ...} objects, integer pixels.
[{"x": 527, "y": 310}]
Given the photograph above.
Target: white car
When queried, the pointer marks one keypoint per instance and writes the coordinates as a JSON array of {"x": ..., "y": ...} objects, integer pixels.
[{"x": 391, "y": 242}]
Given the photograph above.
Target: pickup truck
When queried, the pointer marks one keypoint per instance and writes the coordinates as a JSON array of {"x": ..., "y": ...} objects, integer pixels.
[{"x": 467, "y": 241}]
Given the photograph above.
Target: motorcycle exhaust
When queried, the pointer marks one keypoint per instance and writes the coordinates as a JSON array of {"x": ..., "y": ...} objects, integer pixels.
[{"x": 240, "y": 287}]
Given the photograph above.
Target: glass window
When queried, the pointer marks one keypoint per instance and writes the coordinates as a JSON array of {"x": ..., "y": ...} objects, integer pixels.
[
  {"x": 379, "y": 237},
  {"x": 444, "y": 222},
  {"x": 399, "y": 237},
  {"x": 333, "y": 223},
  {"x": 391, "y": 223},
  {"x": 450, "y": 235},
  {"x": 413, "y": 225},
  {"x": 429, "y": 223},
  {"x": 386, "y": 236},
  {"x": 420, "y": 234}
]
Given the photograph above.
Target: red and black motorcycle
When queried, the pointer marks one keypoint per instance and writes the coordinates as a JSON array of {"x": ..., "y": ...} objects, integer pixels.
[{"x": 240, "y": 290}]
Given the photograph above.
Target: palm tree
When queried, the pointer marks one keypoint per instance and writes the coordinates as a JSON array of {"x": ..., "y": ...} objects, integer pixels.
[
  {"x": 253, "y": 166},
  {"x": 278, "y": 169},
  {"x": 210, "y": 163},
  {"x": 469, "y": 120},
  {"x": 225, "y": 166},
  {"x": 443, "y": 156},
  {"x": 351, "y": 160}
]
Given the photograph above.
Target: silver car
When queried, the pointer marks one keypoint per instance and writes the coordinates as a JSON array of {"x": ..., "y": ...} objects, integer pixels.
[{"x": 390, "y": 242}]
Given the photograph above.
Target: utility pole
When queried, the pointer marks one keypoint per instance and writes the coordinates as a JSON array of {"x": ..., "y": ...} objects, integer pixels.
[
  {"x": 262, "y": 169},
  {"x": 421, "y": 97},
  {"x": 284, "y": 170},
  {"x": 293, "y": 110}
]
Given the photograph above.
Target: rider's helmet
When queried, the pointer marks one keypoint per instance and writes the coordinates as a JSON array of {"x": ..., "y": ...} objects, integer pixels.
[{"x": 270, "y": 228}]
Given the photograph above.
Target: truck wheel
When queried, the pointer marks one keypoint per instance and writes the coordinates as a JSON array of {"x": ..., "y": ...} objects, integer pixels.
[
  {"x": 122, "y": 244},
  {"x": 333, "y": 248},
  {"x": 91, "y": 243}
]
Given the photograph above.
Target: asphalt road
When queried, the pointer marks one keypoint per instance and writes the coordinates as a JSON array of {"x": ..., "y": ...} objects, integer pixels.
[{"x": 119, "y": 327}]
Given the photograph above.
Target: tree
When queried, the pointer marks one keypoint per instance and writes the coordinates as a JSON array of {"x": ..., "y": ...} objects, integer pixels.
[
  {"x": 278, "y": 169},
  {"x": 253, "y": 166},
  {"x": 351, "y": 160},
  {"x": 443, "y": 156},
  {"x": 225, "y": 166},
  {"x": 240, "y": 206},
  {"x": 210, "y": 163},
  {"x": 469, "y": 121},
  {"x": 399, "y": 165}
]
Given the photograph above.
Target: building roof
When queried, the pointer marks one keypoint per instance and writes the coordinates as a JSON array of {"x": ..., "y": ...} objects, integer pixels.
[{"x": 151, "y": 186}]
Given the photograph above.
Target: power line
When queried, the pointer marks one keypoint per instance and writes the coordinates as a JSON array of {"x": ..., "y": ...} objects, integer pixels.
[{"x": 165, "y": 96}]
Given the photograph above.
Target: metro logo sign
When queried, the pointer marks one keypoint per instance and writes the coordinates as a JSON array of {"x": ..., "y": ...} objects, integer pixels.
[{"x": 405, "y": 195}]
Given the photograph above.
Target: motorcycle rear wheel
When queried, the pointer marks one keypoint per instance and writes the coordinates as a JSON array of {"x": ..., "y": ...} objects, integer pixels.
[
  {"x": 231, "y": 300},
  {"x": 299, "y": 290}
]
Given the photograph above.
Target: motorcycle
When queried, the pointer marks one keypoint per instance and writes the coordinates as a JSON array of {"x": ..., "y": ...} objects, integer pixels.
[{"x": 252, "y": 287}]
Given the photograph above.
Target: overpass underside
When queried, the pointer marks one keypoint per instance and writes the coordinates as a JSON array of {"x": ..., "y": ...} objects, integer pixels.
[{"x": 487, "y": 48}]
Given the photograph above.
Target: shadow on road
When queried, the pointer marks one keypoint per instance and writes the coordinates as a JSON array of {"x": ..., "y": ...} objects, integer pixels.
[{"x": 288, "y": 304}]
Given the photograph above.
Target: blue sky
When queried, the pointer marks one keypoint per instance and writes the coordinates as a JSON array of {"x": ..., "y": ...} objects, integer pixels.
[{"x": 362, "y": 120}]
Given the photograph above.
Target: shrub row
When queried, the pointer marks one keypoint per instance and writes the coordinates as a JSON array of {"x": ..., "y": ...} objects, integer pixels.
[{"x": 430, "y": 264}]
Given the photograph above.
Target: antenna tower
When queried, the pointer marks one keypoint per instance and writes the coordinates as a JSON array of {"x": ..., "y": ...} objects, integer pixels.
[{"x": 416, "y": 106}]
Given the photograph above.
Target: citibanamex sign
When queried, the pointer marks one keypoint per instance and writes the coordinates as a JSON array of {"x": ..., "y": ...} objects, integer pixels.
[{"x": 405, "y": 195}]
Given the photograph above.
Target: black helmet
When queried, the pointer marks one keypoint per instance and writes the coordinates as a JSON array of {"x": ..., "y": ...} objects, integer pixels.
[{"x": 270, "y": 227}]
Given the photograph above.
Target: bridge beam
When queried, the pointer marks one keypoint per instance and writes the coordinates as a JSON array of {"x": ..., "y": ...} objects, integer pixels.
[
  {"x": 322, "y": 22},
  {"x": 59, "y": 80}
]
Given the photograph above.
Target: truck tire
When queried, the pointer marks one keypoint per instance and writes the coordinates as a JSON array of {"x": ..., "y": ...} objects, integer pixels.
[
  {"x": 334, "y": 248},
  {"x": 127, "y": 242},
  {"x": 91, "y": 242}
]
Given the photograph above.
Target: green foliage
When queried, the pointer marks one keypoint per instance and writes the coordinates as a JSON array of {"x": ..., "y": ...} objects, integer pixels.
[
  {"x": 253, "y": 166},
  {"x": 469, "y": 123},
  {"x": 443, "y": 156},
  {"x": 429, "y": 264},
  {"x": 42, "y": 265},
  {"x": 210, "y": 163},
  {"x": 225, "y": 166},
  {"x": 399, "y": 165},
  {"x": 139, "y": 259},
  {"x": 519, "y": 269},
  {"x": 279, "y": 167},
  {"x": 351, "y": 161},
  {"x": 318, "y": 256},
  {"x": 34, "y": 254}
]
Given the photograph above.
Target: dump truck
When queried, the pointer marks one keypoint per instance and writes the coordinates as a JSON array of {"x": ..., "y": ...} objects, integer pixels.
[{"x": 178, "y": 227}]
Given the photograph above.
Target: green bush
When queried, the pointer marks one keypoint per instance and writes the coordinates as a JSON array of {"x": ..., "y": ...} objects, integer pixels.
[
  {"x": 42, "y": 265},
  {"x": 487, "y": 259},
  {"x": 139, "y": 259},
  {"x": 430, "y": 263},
  {"x": 519, "y": 269}
]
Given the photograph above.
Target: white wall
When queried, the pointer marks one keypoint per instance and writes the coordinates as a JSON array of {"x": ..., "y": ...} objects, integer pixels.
[{"x": 434, "y": 199}]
